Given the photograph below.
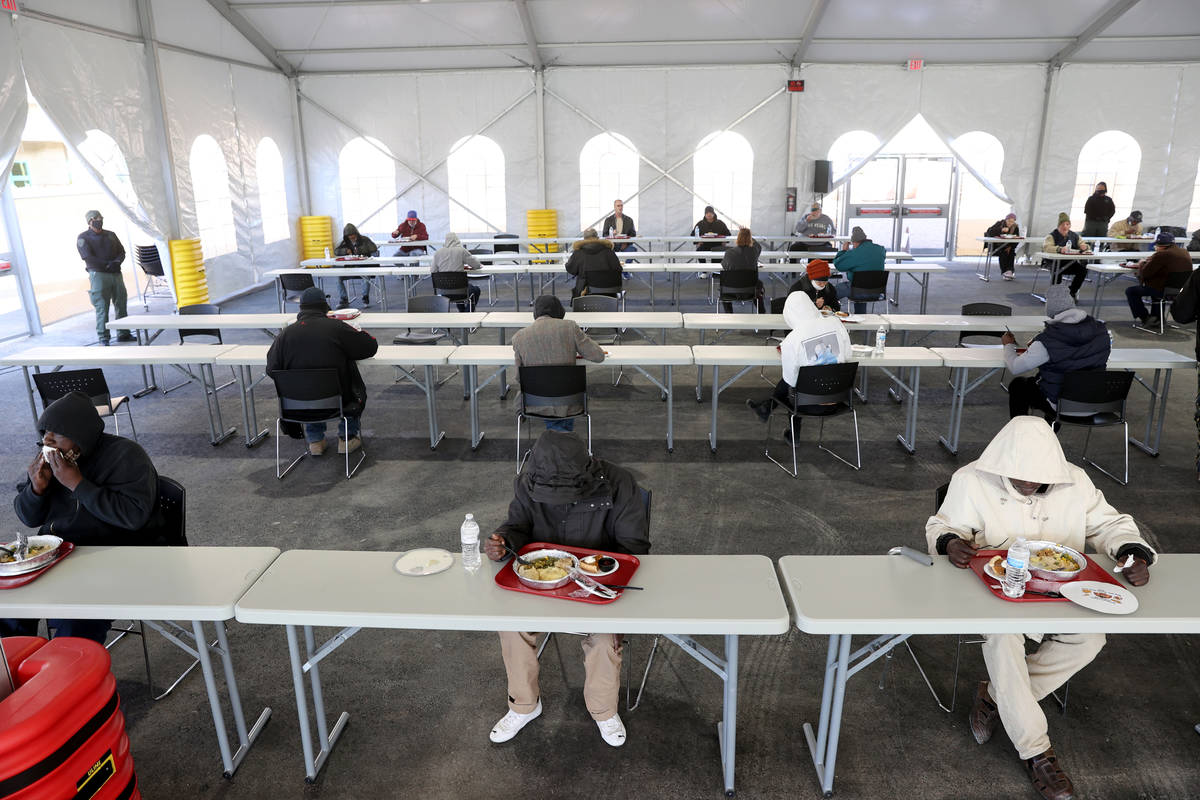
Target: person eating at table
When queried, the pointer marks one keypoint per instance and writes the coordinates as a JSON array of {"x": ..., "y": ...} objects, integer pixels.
[
  {"x": 744, "y": 256},
  {"x": 1006, "y": 254},
  {"x": 1023, "y": 486},
  {"x": 593, "y": 264},
  {"x": 1125, "y": 228},
  {"x": 354, "y": 244},
  {"x": 709, "y": 225},
  {"x": 1064, "y": 240},
  {"x": 87, "y": 487},
  {"x": 550, "y": 341},
  {"x": 860, "y": 254},
  {"x": 814, "y": 223},
  {"x": 815, "y": 283},
  {"x": 618, "y": 224},
  {"x": 1071, "y": 340},
  {"x": 411, "y": 230},
  {"x": 565, "y": 496},
  {"x": 1152, "y": 275},
  {"x": 454, "y": 257}
]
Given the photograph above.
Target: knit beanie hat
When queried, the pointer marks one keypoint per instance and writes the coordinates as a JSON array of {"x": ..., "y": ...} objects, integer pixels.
[
  {"x": 818, "y": 270},
  {"x": 1058, "y": 299},
  {"x": 313, "y": 299},
  {"x": 857, "y": 235},
  {"x": 1063, "y": 217}
]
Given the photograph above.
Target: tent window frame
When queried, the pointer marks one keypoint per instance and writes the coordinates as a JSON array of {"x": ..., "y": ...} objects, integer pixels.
[{"x": 212, "y": 197}]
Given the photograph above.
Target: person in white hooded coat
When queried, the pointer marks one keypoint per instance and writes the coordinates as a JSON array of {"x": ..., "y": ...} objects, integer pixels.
[
  {"x": 814, "y": 339},
  {"x": 1023, "y": 486}
]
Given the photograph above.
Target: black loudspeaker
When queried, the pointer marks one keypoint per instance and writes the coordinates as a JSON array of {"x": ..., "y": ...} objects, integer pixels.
[{"x": 822, "y": 177}]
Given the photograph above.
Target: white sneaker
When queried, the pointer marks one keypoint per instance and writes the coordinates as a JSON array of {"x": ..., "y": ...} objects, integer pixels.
[
  {"x": 612, "y": 730},
  {"x": 1008, "y": 276},
  {"x": 512, "y": 723}
]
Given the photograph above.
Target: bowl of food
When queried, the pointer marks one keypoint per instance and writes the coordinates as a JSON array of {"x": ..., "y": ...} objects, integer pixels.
[
  {"x": 42, "y": 550},
  {"x": 597, "y": 565},
  {"x": 1055, "y": 562},
  {"x": 545, "y": 569}
]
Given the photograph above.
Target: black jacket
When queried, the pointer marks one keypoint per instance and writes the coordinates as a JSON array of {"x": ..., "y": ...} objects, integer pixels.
[
  {"x": 564, "y": 496},
  {"x": 102, "y": 252},
  {"x": 117, "y": 497},
  {"x": 1186, "y": 307},
  {"x": 627, "y": 226},
  {"x": 364, "y": 246},
  {"x": 314, "y": 341},
  {"x": 829, "y": 293},
  {"x": 742, "y": 257},
  {"x": 594, "y": 264},
  {"x": 997, "y": 229},
  {"x": 704, "y": 226},
  {"x": 1099, "y": 207}
]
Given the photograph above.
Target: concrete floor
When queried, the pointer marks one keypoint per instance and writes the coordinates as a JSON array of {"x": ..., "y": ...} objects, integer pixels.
[{"x": 421, "y": 704}]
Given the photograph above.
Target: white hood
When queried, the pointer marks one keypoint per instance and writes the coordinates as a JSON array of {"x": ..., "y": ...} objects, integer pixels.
[
  {"x": 814, "y": 339},
  {"x": 452, "y": 240},
  {"x": 1026, "y": 449},
  {"x": 799, "y": 309}
]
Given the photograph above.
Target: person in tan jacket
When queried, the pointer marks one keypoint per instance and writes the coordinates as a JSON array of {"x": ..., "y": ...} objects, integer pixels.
[
  {"x": 1023, "y": 486},
  {"x": 1125, "y": 228},
  {"x": 550, "y": 341}
]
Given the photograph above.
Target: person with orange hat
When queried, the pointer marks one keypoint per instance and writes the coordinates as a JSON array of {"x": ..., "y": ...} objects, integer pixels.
[{"x": 815, "y": 284}]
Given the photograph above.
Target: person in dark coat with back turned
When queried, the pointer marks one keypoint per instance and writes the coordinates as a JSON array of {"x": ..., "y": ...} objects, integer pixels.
[
  {"x": 565, "y": 496},
  {"x": 314, "y": 341},
  {"x": 744, "y": 256},
  {"x": 1152, "y": 274},
  {"x": 594, "y": 264},
  {"x": 87, "y": 487},
  {"x": 1097, "y": 211},
  {"x": 354, "y": 244},
  {"x": 103, "y": 254}
]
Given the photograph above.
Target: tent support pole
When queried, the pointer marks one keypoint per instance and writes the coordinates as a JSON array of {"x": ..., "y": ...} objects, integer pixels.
[
  {"x": 1034, "y": 192},
  {"x": 158, "y": 106},
  {"x": 793, "y": 110},
  {"x": 301, "y": 147},
  {"x": 540, "y": 84}
]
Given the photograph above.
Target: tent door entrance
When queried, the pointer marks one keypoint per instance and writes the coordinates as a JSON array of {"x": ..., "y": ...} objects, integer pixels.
[{"x": 903, "y": 202}]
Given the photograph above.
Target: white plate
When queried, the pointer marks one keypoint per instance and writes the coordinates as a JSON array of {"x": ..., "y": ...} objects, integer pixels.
[
  {"x": 602, "y": 573},
  {"x": 1100, "y": 596},
  {"x": 424, "y": 561},
  {"x": 987, "y": 570}
]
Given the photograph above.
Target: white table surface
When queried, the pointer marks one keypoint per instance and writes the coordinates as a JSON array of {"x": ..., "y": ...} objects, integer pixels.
[
  {"x": 957, "y": 322},
  {"x": 1119, "y": 239},
  {"x": 255, "y": 355},
  {"x": 197, "y": 321},
  {"x": 767, "y": 322},
  {"x": 151, "y": 583},
  {"x": 132, "y": 354},
  {"x": 1107, "y": 255},
  {"x": 893, "y": 594},
  {"x": 619, "y": 355},
  {"x": 1120, "y": 358},
  {"x": 594, "y": 319},
  {"x": 767, "y": 355},
  {"x": 684, "y": 594},
  {"x": 1002, "y": 239}
]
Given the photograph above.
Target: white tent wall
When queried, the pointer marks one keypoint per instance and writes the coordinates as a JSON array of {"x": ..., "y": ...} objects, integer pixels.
[
  {"x": 419, "y": 117},
  {"x": 13, "y": 105},
  {"x": 195, "y": 24},
  {"x": 1155, "y": 104}
]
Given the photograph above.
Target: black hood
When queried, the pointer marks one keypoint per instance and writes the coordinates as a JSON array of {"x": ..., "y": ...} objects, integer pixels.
[
  {"x": 560, "y": 470},
  {"x": 73, "y": 416},
  {"x": 349, "y": 230}
]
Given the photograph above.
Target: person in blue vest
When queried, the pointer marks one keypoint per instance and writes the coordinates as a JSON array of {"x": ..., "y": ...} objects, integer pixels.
[
  {"x": 862, "y": 255},
  {"x": 1072, "y": 340}
]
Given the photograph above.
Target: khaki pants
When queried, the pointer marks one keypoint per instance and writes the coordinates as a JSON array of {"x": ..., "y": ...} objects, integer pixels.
[
  {"x": 601, "y": 667},
  {"x": 1019, "y": 681}
]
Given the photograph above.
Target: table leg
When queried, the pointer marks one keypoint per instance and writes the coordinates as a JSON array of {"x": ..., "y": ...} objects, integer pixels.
[
  {"x": 1096, "y": 295},
  {"x": 503, "y": 372},
  {"x": 727, "y": 727},
  {"x": 245, "y": 739},
  {"x": 950, "y": 440},
  {"x": 29, "y": 393},
  {"x": 700, "y": 373},
  {"x": 473, "y": 381},
  {"x": 987, "y": 265},
  {"x": 435, "y": 436},
  {"x": 215, "y": 422},
  {"x": 249, "y": 413},
  {"x": 214, "y": 701},
  {"x": 670, "y": 411},
  {"x": 1148, "y": 446},
  {"x": 383, "y": 292},
  {"x": 909, "y": 437},
  {"x": 279, "y": 293},
  {"x": 312, "y": 765},
  {"x": 712, "y": 434},
  {"x": 925, "y": 290}
]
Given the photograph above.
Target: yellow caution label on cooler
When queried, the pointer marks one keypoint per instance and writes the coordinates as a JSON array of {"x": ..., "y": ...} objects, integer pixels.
[{"x": 100, "y": 773}]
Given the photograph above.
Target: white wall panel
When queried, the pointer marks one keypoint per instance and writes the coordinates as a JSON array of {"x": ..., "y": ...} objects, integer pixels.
[
  {"x": 116, "y": 15},
  {"x": 194, "y": 24}
]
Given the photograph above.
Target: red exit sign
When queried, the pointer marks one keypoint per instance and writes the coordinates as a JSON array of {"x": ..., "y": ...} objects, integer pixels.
[
  {"x": 793, "y": 86},
  {"x": 915, "y": 64},
  {"x": 9, "y": 5}
]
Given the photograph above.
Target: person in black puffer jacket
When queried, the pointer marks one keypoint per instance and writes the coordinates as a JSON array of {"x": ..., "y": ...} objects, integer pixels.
[
  {"x": 1072, "y": 340},
  {"x": 565, "y": 496},
  {"x": 594, "y": 265},
  {"x": 90, "y": 488}
]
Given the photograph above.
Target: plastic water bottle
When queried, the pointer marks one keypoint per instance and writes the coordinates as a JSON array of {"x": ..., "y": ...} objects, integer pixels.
[
  {"x": 1016, "y": 569},
  {"x": 469, "y": 535},
  {"x": 326, "y": 253},
  {"x": 1112, "y": 340},
  {"x": 880, "y": 339}
]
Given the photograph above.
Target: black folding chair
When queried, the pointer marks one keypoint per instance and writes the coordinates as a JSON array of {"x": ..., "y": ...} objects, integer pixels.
[
  {"x": 545, "y": 387},
  {"x": 822, "y": 391},
  {"x": 310, "y": 395},
  {"x": 737, "y": 286},
  {"x": 426, "y": 304},
  {"x": 868, "y": 286},
  {"x": 53, "y": 385},
  {"x": 1096, "y": 399},
  {"x": 294, "y": 285},
  {"x": 1175, "y": 284},
  {"x": 452, "y": 285},
  {"x": 199, "y": 309},
  {"x": 150, "y": 263},
  {"x": 604, "y": 304}
]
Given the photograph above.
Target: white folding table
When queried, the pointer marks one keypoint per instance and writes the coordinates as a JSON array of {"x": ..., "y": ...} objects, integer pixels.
[
  {"x": 471, "y": 357},
  {"x": 683, "y": 596},
  {"x": 993, "y": 243},
  {"x": 961, "y": 360},
  {"x": 895, "y": 598},
  {"x": 157, "y": 585}
]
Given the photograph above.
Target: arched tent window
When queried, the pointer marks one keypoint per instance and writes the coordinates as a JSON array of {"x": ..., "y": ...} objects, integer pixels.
[
  {"x": 210, "y": 193},
  {"x": 978, "y": 205},
  {"x": 608, "y": 169},
  {"x": 105, "y": 156},
  {"x": 1194, "y": 212},
  {"x": 272, "y": 191},
  {"x": 848, "y": 151},
  {"x": 368, "y": 180},
  {"x": 475, "y": 168},
  {"x": 1113, "y": 157},
  {"x": 723, "y": 177}
]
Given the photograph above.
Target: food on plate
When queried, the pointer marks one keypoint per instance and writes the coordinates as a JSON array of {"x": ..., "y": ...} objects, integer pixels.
[
  {"x": 842, "y": 314},
  {"x": 997, "y": 566},
  {"x": 1054, "y": 560},
  {"x": 597, "y": 564},
  {"x": 34, "y": 550},
  {"x": 546, "y": 568}
]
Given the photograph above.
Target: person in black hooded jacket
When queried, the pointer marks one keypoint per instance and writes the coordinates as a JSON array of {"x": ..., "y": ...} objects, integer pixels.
[
  {"x": 354, "y": 244},
  {"x": 314, "y": 341},
  {"x": 89, "y": 488},
  {"x": 594, "y": 264},
  {"x": 565, "y": 496}
]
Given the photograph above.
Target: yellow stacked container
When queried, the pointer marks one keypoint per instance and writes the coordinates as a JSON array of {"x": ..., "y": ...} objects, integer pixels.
[
  {"x": 316, "y": 234},
  {"x": 542, "y": 223},
  {"x": 187, "y": 272}
]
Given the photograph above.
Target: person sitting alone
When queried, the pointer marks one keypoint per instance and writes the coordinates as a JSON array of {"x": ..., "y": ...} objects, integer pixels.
[
  {"x": 815, "y": 284},
  {"x": 1006, "y": 254},
  {"x": 860, "y": 254},
  {"x": 1064, "y": 240},
  {"x": 1152, "y": 274},
  {"x": 1072, "y": 340},
  {"x": 553, "y": 340},
  {"x": 594, "y": 265},
  {"x": 87, "y": 487},
  {"x": 744, "y": 256},
  {"x": 453, "y": 257},
  {"x": 354, "y": 244},
  {"x": 564, "y": 496},
  {"x": 1023, "y": 486}
]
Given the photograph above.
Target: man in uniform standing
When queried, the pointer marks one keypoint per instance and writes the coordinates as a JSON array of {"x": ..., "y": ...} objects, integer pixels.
[{"x": 101, "y": 250}]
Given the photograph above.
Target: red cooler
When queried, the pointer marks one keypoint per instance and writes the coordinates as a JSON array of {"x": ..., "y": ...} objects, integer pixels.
[{"x": 62, "y": 733}]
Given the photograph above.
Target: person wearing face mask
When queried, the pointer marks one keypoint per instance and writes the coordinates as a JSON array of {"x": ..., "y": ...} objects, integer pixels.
[
  {"x": 1023, "y": 486},
  {"x": 1097, "y": 211},
  {"x": 815, "y": 284},
  {"x": 1124, "y": 228},
  {"x": 103, "y": 254},
  {"x": 87, "y": 487}
]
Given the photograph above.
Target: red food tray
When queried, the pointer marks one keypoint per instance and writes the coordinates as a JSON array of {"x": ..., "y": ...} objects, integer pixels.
[
  {"x": 1091, "y": 572},
  {"x": 627, "y": 566},
  {"x": 13, "y": 581}
]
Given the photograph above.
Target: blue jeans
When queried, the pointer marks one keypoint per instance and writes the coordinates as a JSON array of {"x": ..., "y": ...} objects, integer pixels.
[
  {"x": 564, "y": 425},
  {"x": 342, "y": 298},
  {"x": 94, "y": 629},
  {"x": 315, "y": 431},
  {"x": 843, "y": 291},
  {"x": 1134, "y": 295}
]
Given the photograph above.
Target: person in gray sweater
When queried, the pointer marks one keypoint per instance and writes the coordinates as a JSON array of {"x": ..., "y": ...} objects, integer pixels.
[
  {"x": 453, "y": 257},
  {"x": 554, "y": 341}
]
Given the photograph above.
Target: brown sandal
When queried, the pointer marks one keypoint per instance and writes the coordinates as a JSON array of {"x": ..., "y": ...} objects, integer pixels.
[
  {"x": 984, "y": 715},
  {"x": 1048, "y": 777}
]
